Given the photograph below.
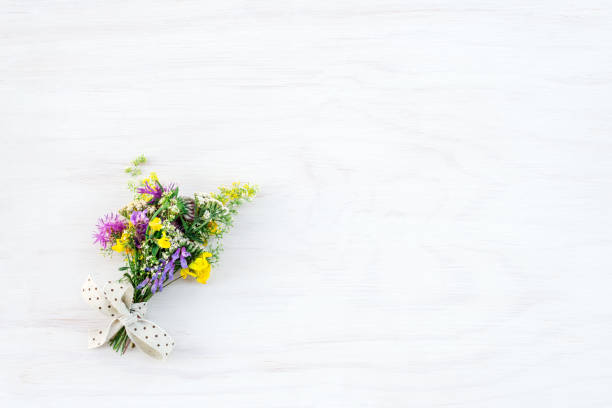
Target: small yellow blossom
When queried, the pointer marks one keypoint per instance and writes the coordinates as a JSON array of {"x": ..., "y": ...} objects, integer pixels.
[
  {"x": 120, "y": 245},
  {"x": 152, "y": 177},
  {"x": 213, "y": 227},
  {"x": 185, "y": 272},
  {"x": 236, "y": 192},
  {"x": 155, "y": 224},
  {"x": 163, "y": 242},
  {"x": 199, "y": 268}
]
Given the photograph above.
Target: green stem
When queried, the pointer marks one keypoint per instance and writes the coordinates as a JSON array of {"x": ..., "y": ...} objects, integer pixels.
[
  {"x": 117, "y": 342},
  {"x": 155, "y": 214},
  {"x": 172, "y": 281},
  {"x": 119, "y": 334},
  {"x": 126, "y": 345},
  {"x": 124, "y": 338}
]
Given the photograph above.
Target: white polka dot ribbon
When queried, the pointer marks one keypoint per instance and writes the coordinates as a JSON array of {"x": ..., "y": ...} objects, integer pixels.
[{"x": 115, "y": 300}]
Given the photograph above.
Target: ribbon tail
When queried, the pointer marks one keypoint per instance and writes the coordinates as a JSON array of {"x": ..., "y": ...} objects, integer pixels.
[
  {"x": 99, "y": 337},
  {"x": 150, "y": 338}
]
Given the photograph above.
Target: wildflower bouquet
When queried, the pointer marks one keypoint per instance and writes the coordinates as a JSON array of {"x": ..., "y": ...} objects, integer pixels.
[{"x": 163, "y": 237}]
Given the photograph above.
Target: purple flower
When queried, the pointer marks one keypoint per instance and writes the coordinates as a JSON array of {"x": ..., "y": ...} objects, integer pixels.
[
  {"x": 109, "y": 229},
  {"x": 169, "y": 268},
  {"x": 154, "y": 284},
  {"x": 143, "y": 283},
  {"x": 157, "y": 281},
  {"x": 181, "y": 254},
  {"x": 140, "y": 221},
  {"x": 164, "y": 270},
  {"x": 155, "y": 190}
]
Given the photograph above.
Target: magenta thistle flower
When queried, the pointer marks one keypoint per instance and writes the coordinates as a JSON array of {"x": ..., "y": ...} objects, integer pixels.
[
  {"x": 155, "y": 191},
  {"x": 109, "y": 229}
]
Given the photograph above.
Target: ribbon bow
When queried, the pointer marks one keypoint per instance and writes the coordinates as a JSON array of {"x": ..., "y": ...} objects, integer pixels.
[{"x": 115, "y": 300}]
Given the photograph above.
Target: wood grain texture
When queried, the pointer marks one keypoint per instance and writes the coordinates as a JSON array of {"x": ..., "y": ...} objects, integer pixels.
[{"x": 434, "y": 223}]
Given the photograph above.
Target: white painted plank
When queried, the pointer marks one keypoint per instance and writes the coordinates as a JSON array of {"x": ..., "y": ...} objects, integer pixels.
[{"x": 434, "y": 223}]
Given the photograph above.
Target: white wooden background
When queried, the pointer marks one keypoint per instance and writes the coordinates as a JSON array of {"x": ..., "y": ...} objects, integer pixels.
[{"x": 434, "y": 224}]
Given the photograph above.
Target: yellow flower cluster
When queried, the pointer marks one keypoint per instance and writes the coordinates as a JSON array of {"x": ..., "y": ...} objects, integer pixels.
[
  {"x": 199, "y": 268},
  {"x": 151, "y": 179},
  {"x": 213, "y": 227},
  {"x": 121, "y": 244},
  {"x": 236, "y": 192}
]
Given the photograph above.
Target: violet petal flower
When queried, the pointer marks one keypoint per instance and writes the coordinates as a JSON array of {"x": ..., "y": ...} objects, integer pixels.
[
  {"x": 181, "y": 254},
  {"x": 169, "y": 266},
  {"x": 176, "y": 255},
  {"x": 184, "y": 263},
  {"x": 163, "y": 275},
  {"x": 154, "y": 287},
  {"x": 184, "y": 252},
  {"x": 143, "y": 283},
  {"x": 184, "y": 255}
]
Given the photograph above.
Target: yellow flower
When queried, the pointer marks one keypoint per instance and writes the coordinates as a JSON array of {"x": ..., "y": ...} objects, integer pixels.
[
  {"x": 201, "y": 267},
  {"x": 155, "y": 224},
  {"x": 213, "y": 227},
  {"x": 204, "y": 275},
  {"x": 152, "y": 177},
  {"x": 120, "y": 245},
  {"x": 163, "y": 242}
]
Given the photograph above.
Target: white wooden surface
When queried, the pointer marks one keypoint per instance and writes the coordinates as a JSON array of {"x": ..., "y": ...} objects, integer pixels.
[{"x": 434, "y": 226}]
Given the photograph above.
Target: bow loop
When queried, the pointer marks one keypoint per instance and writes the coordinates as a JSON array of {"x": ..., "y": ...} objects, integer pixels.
[
  {"x": 120, "y": 296},
  {"x": 115, "y": 300}
]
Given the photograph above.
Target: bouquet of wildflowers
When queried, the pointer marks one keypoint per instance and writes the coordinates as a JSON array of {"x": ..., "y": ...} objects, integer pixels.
[{"x": 163, "y": 237}]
